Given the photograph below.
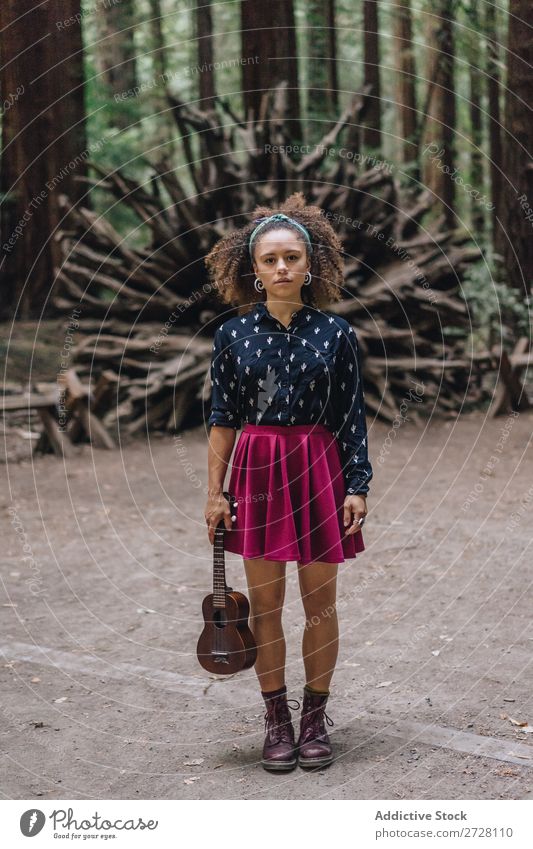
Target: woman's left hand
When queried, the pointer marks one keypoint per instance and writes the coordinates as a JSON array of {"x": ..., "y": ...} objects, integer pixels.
[{"x": 354, "y": 509}]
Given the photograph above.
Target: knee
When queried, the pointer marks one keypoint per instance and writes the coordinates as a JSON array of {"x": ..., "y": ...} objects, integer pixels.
[
  {"x": 266, "y": 607},
  {"x": 316, "y": 613}
]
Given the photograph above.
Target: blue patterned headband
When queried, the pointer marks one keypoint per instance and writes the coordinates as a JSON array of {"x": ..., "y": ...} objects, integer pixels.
[{"x": 279, "y": 216}]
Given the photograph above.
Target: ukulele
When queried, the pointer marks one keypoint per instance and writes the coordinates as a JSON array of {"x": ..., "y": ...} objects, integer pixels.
[{"x": 226, "y": 644}]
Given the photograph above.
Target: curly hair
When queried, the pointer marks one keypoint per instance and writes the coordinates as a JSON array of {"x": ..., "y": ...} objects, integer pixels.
[{"x": 231, "y": 271}]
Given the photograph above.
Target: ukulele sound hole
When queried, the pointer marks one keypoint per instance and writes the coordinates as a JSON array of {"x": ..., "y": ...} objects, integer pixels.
[{"x": 219, "y": 619}]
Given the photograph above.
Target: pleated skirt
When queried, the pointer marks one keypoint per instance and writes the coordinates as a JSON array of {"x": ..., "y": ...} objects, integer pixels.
[{"x": 290, "y": 490}]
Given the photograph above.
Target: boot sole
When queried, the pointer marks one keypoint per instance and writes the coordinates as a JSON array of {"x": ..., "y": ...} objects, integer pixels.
[
  {"x": 286, "y": 766},
  {"x": 314, "y": 763}
]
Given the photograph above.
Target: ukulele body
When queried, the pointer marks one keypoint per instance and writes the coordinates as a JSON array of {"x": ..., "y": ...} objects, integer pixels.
[{"x": 226, "y": 644}]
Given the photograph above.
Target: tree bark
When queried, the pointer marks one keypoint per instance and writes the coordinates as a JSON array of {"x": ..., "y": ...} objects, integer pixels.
[
  {"x": 495, "y": 132},
  {"x": 269, "y": 57},
  {"x": 439, "y": 113},
  {"x": 405, "y": 80},
  {"x": 115, "y": 55},
  {"x": 515, "y": 237},
  {"x": 372, "y": 119},
  {"x": 43, "y": 143},
  {"x": 203, "y": 24},
  {"x": 476, "y": 122},
  {"x": 322, "y": 64},
  {"x": 158, "y": 42},
  {"x": 332, "y": 53},
  {"x": 204, "y": 35}
]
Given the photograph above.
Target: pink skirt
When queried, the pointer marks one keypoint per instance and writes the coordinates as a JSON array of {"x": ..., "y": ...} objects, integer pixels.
[{"x": 290, "y": 490}]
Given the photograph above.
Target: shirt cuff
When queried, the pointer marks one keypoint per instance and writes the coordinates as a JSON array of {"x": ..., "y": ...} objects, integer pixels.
[
  {"x": 223, "y": 420},
  {"x": 357, "y": 488}
]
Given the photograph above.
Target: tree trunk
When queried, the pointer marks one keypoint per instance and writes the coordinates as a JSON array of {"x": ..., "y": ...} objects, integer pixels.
[
  {"x": 204, "y": 35},
  {"x": 158, "y": 42},
  {"x": 405, "y": 80},
  {"x": 43, "y": 143},
  {"x": 203, "y": 23},
  {"x": 332, "y": 53},
  {"x": 495, "y": 137},
  {"x": 515, "y": 237},
  {"x": 476, "y": 123},
  {"x": 439, "y": 113},
  {"x": 372, "y": 120},
  {"x": 322, "y": 64},
  {"x": 115, "y": 55},
  {"x": 269, "y": 57},
  {"x": 163, "y": 133}
]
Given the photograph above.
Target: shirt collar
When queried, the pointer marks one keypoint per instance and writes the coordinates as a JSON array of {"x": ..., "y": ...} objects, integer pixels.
[{"x": 263, "y": 310}]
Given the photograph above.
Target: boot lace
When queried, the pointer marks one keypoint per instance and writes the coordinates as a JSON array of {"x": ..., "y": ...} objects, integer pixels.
[
  {"x": 313, "y": 724},
  {"x": 278, "y": 720}
]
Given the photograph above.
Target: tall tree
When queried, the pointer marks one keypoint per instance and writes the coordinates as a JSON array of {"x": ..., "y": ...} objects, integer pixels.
[
  {"x": 322, "y": 77},
  {"x": 269, "y": 56},
  {"x": 495, "y": 132},
  {"x": 372, "y": 118},
  {"x": 515, "y": 236},
  {"x": 438, "y": 134},
  {"x": 405, "y": 79},
  {"x": 43, "y": 143},
  {"x": 203, "y": 25},
  {"x": 116, "y": 55},
  {"x": 476, "y": 121},
  {"x": 159, "y": 56},
  {"x": 333, "y": 78},
  {"x": 204, "y": 35},
  {"x": 163, "y": 130}
]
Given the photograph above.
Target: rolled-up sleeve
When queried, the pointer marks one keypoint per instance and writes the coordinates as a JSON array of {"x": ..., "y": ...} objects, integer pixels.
[
  {"x": 351, "y": 429},
  {"x": 224, "y": 385}
]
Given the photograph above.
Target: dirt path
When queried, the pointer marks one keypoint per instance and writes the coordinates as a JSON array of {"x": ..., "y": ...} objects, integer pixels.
[{"x": 102, "y": 696}]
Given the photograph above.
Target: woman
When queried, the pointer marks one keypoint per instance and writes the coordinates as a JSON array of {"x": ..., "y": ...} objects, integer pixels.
[{"x": 290, "y": 371}]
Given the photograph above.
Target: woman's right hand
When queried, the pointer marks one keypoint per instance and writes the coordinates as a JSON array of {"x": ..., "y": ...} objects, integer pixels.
[{"x": 216, "y": 509}]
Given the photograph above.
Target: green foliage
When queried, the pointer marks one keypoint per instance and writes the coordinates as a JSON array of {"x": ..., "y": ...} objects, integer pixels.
[{"x": 495, "y": 308}]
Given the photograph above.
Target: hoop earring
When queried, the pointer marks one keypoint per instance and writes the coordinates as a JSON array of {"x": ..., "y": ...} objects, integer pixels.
[
  {"x": 258, "y": 285},
  {"x": 307, "y": 278}
]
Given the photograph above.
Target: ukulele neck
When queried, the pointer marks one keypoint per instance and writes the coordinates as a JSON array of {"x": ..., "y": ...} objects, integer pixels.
[{"x": 219, "y": 570}]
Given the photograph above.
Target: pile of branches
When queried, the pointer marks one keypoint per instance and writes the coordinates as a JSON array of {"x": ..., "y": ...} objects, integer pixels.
[
  {"x": 402, "y": 278},
  {"x": 141, "y": 379}
]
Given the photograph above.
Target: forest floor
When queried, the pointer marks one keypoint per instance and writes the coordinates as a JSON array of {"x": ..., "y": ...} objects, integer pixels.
[{"x": 106, "y": 561}]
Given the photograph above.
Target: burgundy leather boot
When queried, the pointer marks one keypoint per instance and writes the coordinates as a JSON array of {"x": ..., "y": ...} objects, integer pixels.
[
  {"x": 279, "y": 749},
  {"x": 314, "y": 747}
]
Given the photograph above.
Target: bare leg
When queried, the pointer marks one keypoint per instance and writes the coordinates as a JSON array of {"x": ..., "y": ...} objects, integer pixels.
[
  {"x": 266, "y": 587},
  {"x": 320, "y": 644}
]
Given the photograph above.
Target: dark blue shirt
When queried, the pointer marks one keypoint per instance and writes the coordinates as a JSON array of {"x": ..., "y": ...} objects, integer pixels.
[{"x": 307, "y": 373}]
